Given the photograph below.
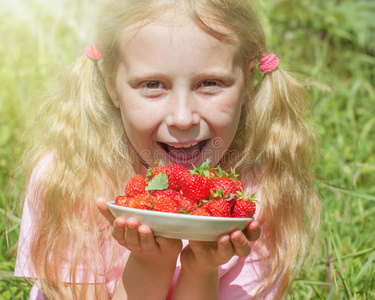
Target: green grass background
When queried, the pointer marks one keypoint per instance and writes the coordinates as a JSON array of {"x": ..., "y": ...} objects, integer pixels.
[{"x": 329, "y": 45}]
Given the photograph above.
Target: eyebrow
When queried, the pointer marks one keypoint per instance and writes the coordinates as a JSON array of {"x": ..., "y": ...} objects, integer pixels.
[
  {"x": 227, "y": 77},
  {"x": 133, "y": 80}
]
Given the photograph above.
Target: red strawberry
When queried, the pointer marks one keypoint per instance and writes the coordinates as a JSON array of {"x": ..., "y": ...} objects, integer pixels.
[
  {"x": 172, "y": 181},
  {"x": 158, "y": 182},
  {"x": 168, "y": 192},
  {"x": 244, "y": 207},
  {"x": 239, "y": 185},
  {"x": 219, "y": 208},
  {"x": 211, "y": 176},
  {"x": 205, "y": 171},
  {"x": 195, "y": 187},
  {"x": 165, "y": 204},
  {"x": 159, "y": 169},
  {"x": 179, "y": 173},
  {"x": 136, "y": 186},
  {"x": 122, "y": 201},
  {"x": 225, "y": 184},
  {"x": 185, "y": 204},
  {"x": 141, "y": 201},
  {"x": 201, "y": 211}
]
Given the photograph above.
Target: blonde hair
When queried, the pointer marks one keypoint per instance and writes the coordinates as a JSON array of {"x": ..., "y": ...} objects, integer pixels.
[{"x": 82, "y": 129}]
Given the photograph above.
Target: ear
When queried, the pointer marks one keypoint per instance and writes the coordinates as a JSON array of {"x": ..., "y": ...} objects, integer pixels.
[
  {"x": 249, "y": 65},
  {"x": 111, "y": 89}
]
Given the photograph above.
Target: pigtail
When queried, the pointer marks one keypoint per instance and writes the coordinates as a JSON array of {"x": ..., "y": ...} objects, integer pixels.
[
  {"x": 82, "y": 131},
  {"x": 281, "y": 139}
]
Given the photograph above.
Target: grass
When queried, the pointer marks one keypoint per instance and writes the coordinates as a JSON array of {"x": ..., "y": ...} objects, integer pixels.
[{"x": 329, "y": 45}]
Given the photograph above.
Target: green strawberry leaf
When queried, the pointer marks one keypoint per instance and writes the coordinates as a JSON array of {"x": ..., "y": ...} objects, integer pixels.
[
  {"x": 245, "y": 196},
  {"x": 200, "y": 170},
  {"x": 159, "y": 182},
  {"x": 206, "y": 164},
  {"x": 206, "y": 173}
]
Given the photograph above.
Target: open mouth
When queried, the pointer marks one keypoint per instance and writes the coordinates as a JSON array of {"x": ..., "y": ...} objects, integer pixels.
[{"x": 184, "y": 153}]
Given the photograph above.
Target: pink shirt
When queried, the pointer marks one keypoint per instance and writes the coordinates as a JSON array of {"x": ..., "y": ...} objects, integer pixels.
[{"x": 239, "y": 278}]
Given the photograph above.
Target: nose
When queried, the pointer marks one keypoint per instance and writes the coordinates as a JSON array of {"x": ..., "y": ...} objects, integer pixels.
[{"x": 183, "y": 112}]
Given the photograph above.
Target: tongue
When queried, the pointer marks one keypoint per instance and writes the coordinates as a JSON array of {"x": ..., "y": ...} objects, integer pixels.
[{"x": 184, "y": 153}]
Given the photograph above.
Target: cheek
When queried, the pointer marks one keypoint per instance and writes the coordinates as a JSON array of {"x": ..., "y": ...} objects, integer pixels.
[
  {"x": 137, "y": 115},
  {"x": 228, "y": 113},
  {"x": 136, "y": 126}
]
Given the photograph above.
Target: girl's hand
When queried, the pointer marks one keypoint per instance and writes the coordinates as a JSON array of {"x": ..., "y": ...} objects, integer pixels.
[
  {"x": 139, "y": 239},
  {"x": 200, "y": 262},
  {"x": 151, "y": 264},
  {"x": 252, "y": 231},
  {"x": 207, "y": 256}
]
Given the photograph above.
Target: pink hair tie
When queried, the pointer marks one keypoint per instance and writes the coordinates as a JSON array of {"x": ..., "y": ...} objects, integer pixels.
[
  {"x": 92, "y": 52},
  {"x": 268, "y": 63}
]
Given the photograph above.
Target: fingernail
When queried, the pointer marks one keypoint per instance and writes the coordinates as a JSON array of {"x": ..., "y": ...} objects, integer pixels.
[
  {"x": 225, "y": 240},
  {"x": 236, "y": 236},
  {"x": 142, "y": 230},
  {"x": 131, "y": 226},
  {"x": 121, "y": 221}
]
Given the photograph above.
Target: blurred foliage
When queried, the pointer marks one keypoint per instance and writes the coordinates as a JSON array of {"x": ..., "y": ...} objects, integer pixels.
[{"x": 328, "y": 44}]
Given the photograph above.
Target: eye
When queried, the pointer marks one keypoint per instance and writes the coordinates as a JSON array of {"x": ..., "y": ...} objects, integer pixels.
[
  {"x": 211, "y": 86},
  {"x": 152, "y": 88},
  {"x": 153, "y": 85},
  {"x": 208, "y": 83}
]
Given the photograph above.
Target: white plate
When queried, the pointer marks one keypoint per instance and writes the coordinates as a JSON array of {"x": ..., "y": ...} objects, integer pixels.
[{"x": 181, "y": 226}]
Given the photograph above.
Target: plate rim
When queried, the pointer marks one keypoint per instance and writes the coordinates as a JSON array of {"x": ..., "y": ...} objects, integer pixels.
[{"x": 111, "y": 203}]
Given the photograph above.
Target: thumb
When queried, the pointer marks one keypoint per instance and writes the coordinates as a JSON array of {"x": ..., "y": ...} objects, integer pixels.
[{"x": 101, "y": 203}]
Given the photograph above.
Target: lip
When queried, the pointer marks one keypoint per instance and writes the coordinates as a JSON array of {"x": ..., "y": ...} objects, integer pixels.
[{"x": 185, "y": 162}]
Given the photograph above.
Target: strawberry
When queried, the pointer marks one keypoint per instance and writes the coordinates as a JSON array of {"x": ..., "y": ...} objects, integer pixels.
[
  {"x": 168, "y": 192},
  {"x": 225, "y": 184},
  {"x": 122, "y": 201},
  {"x": 136, "y": 186},
  {"x": 141, "y": 201},
  {"x": 205, "y": 171},
  {"x": 201, "y": 211},
  {"x": 244, "y": 207},
  {"x": 158, "y": 169},
  {"x": 165, "y": 204},
  {"x": 159, "y": 182},
  {"x": 239, "y": 185},
  {"x": 185, "y": 204},
  {"x": 219, "y": 208},
  {"x": 211, "y": 176},
  {"x": 173, "y": 183},
  {"x": 195, "y": 187},
  {"x": 179, "y": 173}
]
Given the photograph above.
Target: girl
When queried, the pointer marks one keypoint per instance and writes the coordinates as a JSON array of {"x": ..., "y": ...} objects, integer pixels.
[{"x": 168, "y": 81}]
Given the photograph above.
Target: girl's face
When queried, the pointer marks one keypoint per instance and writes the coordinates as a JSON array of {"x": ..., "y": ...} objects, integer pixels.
[{"x": 180, "y": 92}]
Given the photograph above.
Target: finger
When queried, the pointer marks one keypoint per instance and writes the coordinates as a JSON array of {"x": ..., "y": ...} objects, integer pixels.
[
  {"x": 240, "y": 243},
  {"x": 225, "y": 248},
  {"x": 101, "y": 203},
  {"x": 168, "y": 244},
  {"x": 118, "y": 231},
  {"x": 253, "y": 231},
  {"x": 147, "y": 239},
  {"x": 132, "y": 235}
]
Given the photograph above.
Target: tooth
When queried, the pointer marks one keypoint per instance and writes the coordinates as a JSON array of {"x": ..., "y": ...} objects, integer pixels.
[{"x": 187, "y": 146}]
